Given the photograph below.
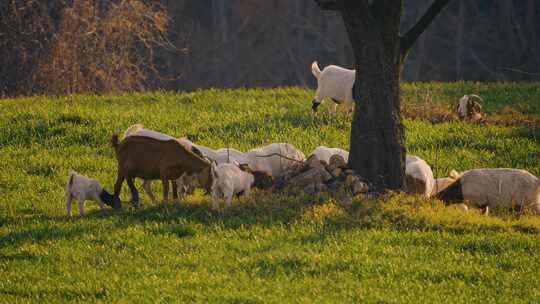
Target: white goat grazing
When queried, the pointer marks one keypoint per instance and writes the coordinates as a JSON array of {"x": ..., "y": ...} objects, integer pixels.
[
  {"x": 418, "y": 176},
  {"x": 324, "y": 153},
  {"x": 495, "y": 188},
  {"x": 82, "y": 188},
  {"x": 274, "y": 159},
  {"x": 229, "y": 179},
  {"x": 335, "y": 83},
  {"x": 469, "y": 108}
]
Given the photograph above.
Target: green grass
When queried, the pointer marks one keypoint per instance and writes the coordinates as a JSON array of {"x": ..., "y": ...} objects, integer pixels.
[{"x": 270, "y": 248}]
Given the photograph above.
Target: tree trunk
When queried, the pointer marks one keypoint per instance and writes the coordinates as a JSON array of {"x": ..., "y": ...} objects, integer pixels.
[{"x": 377, "y": 142}]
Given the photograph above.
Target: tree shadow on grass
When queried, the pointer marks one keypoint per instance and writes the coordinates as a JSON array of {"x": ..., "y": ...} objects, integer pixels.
[
  {"x": 41, "y": 235},
  {"x": 264, "y": 210}
]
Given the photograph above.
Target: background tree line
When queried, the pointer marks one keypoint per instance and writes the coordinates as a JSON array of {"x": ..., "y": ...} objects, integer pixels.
[{"x": 66, "y": 46}]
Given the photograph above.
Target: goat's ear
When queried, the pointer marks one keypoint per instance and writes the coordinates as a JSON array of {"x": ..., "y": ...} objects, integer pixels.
[{"x": 245, "y": 167}]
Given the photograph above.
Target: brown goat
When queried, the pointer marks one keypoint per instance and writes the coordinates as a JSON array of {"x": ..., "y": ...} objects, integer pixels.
[{"x": 149, "y": 158}]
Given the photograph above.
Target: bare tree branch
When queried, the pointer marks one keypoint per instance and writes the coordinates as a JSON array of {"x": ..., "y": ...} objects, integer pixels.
[{"x": 408, "y": 40}]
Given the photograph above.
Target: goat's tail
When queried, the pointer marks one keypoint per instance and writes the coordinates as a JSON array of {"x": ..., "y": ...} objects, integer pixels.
[
  {"x": 315, "y": 69},
  {"x": 114, "y": 143},
  {"x": 69, "y": 184}
]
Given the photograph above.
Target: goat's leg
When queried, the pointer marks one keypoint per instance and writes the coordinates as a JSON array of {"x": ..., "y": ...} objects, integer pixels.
[
  {"x": 228, "y": 197},
  {"x": 147, "y": 187},
  {"x": 333, "y": 108},
  {"x": 133, "y": 191},
  {"x": 215, "y": 199},
  {"x": 68, "y": 198},
  {"x": 165, "y": 182},
  {"x": 174, "y": 191},
  {"x": 80, "y": 204},
  {"x": 118, "y": 187}
]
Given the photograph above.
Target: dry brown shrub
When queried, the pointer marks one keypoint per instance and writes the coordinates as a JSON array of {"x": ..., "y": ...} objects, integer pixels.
[
  {"x": 428, "y": 110},
  {"x": 103, "y": 47},
  {"x": 513, "y": 116}
]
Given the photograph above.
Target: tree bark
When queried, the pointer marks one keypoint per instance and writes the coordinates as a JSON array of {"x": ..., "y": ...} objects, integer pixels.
[{"x": 377, "y": 140}]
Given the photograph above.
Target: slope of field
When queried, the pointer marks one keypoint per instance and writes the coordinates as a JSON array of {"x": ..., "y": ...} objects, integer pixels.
[{"x": 272, "y": 247}]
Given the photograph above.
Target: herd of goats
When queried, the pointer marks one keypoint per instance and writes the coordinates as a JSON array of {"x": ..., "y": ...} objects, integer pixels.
[{"x": 151, "y": 155}]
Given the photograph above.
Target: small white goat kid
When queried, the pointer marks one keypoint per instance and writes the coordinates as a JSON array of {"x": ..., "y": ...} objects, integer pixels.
[
  {"x": 336, "y": 83},
  {"x": 229, "y": 180},
  {"x": 82, "y": 188}
]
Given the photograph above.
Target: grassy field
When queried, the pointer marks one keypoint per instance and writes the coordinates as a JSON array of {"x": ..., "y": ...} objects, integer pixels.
[{"x": 274, "y": 247}]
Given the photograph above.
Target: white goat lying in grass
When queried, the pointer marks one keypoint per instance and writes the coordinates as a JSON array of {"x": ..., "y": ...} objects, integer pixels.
[
  {"x": 324, "y": 153},
  {"x": 336, "y": 83},
  {"x": 495, "y": 188},
  {"x": 229, "y": 180},
  {"x": 274, "y": 159},
  {"x": 82, "y": 188}
]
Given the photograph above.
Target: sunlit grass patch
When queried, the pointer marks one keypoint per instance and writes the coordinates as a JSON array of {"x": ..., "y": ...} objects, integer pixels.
[{"x": 272, "y": 247}]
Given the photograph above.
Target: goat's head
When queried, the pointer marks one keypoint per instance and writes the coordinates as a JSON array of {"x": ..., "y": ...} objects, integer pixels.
[
  {"x": 261, "y": 179},
  {"x": 205, "y": 178},
  {"x": 315, "y": 105},
  {"x": 114, "y": 202},
  {"x": 469, "y": 108}
]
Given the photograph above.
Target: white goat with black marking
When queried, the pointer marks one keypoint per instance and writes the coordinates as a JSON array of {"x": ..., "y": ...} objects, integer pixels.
[
  {"x": 336, "y": 83},
  {"x": 82, "y": 188},
  {"x": 495, "y": 188},
  {"x": 469, "y": 108}
]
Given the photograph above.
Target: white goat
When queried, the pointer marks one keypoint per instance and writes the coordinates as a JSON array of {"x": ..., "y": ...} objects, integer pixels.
[
  {"x": 274, "y": 159},
  {"x": 335, "y": 83},
  {"x": 228, "y": 180},
  {"x": 469, "y": 108},
  {"x": 418, "y": 176},
  {"x": 82, "y": 188},
  {"x": 324, "y": 153},
  {"x": 495, "y": 188}
]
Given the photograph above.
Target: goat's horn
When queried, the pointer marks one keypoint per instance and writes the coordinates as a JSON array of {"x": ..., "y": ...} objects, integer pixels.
[{"x": 474, "y": 96}]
